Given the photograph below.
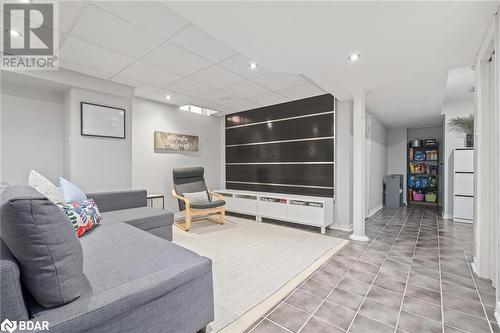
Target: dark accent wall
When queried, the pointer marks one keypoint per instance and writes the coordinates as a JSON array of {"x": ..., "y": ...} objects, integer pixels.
[{"x": 283, "y": 148}]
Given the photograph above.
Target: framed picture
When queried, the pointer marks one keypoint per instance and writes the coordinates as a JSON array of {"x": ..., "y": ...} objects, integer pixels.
[
  {"x": 173, "y": 141},
  {"x": 102, "y": 121}
]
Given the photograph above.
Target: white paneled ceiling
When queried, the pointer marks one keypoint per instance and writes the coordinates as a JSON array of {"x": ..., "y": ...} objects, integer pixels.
[
  {"x": 146, "y": 45},
  {"x": 406, "y": 47}
]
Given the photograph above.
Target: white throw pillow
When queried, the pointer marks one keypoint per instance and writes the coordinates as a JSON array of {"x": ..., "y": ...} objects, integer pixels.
[
  {"x": 197, "y": 198},
  {"x": 70, "y": 191},
  {"x": 45, "y": 187}
]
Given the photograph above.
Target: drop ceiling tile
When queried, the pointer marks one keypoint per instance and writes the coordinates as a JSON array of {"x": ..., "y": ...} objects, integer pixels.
[
  {"x": 217, "y": 77},
  {"x": 241, "y": 104},
  {"x": 84, "y": 69},
  {"x": 279, "y": 81},
  {"x": 239, "y": 65},
  {"x": 269, "y": 99},
  {"x": 230, "y": 101},
  {"x": 151, "y": 16},
  {"x": 213, "y": 106},
  {"x": 68, "y": 12},
  {"x": 302, "y": 91},
  {"x": 90, "y": 55},
  {"x": 141, "y": 88},
  {"x": 101, "y": 28},
  {"x": 176, "y": 98},
  {"x": 148, "y": 74},
  {"x": 218, "y": 96},
  {"x": 247, "y": 89},
  {"x": 176, "y": 60},
  {"x": 190, "y": 87},
  {"x": 203, "y": 44}
]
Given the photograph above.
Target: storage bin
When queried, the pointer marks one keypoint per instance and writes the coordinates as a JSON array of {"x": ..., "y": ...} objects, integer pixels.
[
  {"x": 430, "y": 197},
  {"x": 418, "y": 196}
]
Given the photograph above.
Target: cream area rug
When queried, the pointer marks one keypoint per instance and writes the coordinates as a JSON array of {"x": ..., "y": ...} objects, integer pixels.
[{"x": 252, "y": 261}]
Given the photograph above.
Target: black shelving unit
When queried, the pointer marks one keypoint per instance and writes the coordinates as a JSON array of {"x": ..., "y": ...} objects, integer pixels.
[{"x": 419, "y": 180}]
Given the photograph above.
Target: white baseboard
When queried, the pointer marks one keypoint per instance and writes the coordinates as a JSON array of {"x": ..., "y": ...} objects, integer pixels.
[
  {"x": 497, "y": 315},
  {"x": 343, "y": 228},
  {"x": 446, "y": 215},
  {"x": 473, "y": 266},
  {"x": 375, "y": 210}
]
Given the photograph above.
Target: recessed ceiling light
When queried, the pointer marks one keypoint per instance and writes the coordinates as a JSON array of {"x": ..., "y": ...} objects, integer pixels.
[
  {"x": 168, "y": 97},
  {"x": 25, "y": 1},
  {"x": 15, "y": 33},
  {"x": 354, "y": 57},
  {"x": 253, "y": 65}
]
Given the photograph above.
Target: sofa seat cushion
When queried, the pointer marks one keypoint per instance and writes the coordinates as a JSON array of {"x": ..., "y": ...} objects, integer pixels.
[
  {"x": 211, "y": 204},
  {"x": 144, "y": 218},
  {"x": 126, "y": 268}
]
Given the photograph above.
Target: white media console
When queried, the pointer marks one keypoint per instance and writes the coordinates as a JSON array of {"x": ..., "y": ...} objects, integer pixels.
[{"x": 308, "y": 210}]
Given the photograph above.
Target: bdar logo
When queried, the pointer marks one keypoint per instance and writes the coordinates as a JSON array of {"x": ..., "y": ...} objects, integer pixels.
[{"x": 8, "y": 325}]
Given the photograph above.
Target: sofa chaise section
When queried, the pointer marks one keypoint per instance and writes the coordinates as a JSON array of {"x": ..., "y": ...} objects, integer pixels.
[{"x": 136, "y": 282}]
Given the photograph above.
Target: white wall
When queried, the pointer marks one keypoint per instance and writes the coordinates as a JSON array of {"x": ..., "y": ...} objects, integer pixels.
[
  {"x": 396, "y": 154},
  {"x": 377, "y": 166},
  {"x": 452, "y": 139},
  {"x": 98, "y": 164},
  {"x": 31, "y": 137},
  {"x": 153, "y": 170},
  {"x": 343, "y": 166}
]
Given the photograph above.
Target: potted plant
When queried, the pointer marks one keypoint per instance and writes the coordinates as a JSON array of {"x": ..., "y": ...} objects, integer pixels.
[{"x": 464, "y": 124}]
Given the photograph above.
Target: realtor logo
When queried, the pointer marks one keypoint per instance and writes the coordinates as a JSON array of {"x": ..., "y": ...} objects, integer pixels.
[
  {"x": 24, "y": 325},
  {"x": 30, "y": 36},
  {"x": 8, "y": 325}
]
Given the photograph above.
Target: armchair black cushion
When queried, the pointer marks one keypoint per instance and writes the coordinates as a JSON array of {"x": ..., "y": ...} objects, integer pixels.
[
  {"x": 211, "y": 204},
  {"x": 189, "y": 180}
]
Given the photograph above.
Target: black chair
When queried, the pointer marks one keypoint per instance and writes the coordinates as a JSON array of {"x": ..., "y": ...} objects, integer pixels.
[{"x": 190, "y": 180}]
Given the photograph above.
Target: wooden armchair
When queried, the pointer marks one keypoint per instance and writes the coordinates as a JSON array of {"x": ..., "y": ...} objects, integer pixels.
[{"x": 190, "y": 180}]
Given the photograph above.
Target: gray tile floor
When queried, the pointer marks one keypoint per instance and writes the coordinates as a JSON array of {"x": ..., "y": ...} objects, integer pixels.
[{"x": 413, "y": 276}]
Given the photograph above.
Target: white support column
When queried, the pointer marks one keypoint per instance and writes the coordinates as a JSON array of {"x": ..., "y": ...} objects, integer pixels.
[{"x": 358, "y": 167}]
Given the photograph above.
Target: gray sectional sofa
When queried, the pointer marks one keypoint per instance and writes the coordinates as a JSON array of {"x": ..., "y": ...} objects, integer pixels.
[{"x": 133, "y": 279}]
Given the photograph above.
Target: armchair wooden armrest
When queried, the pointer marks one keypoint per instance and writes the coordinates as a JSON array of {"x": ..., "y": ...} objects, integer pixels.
[
  {"x": 190, "y": 212},
  {"x": 217, "y": 195},
  {"x": 186, "y": 200}
]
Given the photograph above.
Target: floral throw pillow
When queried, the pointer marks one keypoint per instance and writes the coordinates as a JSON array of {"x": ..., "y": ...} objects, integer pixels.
[{"x": 82, "y": 215}]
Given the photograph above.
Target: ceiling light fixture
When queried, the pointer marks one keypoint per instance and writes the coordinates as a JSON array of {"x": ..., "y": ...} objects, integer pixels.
[
  {"x": 168, "y": 97},
  {"x": 15, "y": 33},
  {"x": 354, "y": 57},
  {"x": 253, "y": 65}
]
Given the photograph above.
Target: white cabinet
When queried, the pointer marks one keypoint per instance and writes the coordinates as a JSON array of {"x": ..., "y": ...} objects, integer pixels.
[
  {"x": 463, "y": 160},
  {"x": 314, "y": 211},
  {"x": 463, "y": 185},
  {"x": 463, "y": 209},
  {"x": 274, "y": 208}
]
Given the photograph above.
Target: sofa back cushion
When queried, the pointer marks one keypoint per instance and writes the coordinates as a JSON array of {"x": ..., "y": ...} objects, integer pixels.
[
  {"x": 43, "y": 241},
  {"x": 12, "y": 304},
  {"x": 118, "y": 200}
]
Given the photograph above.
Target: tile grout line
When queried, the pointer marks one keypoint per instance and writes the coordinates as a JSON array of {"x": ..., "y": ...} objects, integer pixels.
[
  {"x": 409, "y": 273},
  {"x": 475, "y": 284},
  {"x": 345, "y": 274},
  {"x": 440, "y": 273},
  {"x": 385, "y": 259},
  {"x": 266, "y": 315}
]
